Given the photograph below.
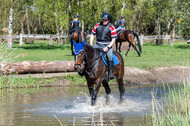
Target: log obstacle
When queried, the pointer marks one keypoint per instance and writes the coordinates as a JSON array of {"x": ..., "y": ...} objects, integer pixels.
[{"x": 27, "y": 67}]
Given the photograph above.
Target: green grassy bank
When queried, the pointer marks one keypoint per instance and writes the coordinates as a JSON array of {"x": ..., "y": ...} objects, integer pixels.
[{"x": 176, "y": 111}]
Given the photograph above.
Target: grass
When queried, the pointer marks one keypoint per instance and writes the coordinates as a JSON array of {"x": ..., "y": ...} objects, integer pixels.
[
  {"x": 159, "y": 56},
  {"x": 152, "y": 55},
  {"x": 11, "y": 82},
  {"x": 176, "y": 111}
]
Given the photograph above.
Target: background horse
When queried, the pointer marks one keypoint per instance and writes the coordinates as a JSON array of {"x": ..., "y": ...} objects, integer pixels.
[
  {"x": 78, "y": 37},
  {"x": 94, "y": 70},
  {"x": 129, "y": 36}
]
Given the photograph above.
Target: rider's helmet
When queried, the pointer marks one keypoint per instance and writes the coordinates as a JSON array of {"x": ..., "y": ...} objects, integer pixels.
[
  {"x": 106, "y": 16},
  {"x": 76, "y": 16},
  {"x": 122, "y": 17}
]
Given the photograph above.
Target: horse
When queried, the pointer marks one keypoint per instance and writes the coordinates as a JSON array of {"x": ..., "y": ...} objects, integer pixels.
[
  {"x": 129, "y": 36},
  {"x": 89, "y": 62},
  {"x": 78, "y": 37}
]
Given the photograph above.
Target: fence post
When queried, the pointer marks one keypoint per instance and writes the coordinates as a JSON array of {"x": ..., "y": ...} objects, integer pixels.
[
  {"x": 20, "y": 42},
  {"x": 50, "y": 39},
  {"x": 141, "y": 40},
  {"x": 65, "y": 38},
  {"x": 61, "y": 40}
]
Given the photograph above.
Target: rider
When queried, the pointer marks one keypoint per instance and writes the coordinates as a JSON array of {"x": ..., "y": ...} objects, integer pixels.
[
  {"x": 105, "y": 38},
  {"x": 75, "y": 25},
  {"x": 121, "y": 24}
]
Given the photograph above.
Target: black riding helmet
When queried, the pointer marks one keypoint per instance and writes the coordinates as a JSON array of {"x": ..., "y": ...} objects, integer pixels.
[
  {"x": 76, "y": 16},
  {"x": 106, "y": 16},
  {"x": 122, "y": 17}
]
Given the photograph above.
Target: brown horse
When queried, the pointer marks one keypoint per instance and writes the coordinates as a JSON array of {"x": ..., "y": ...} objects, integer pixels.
[
  {"x": 89, "y": 63},
  {"x": 78, "y": 37},
  {"x": 129, "y": 36}
]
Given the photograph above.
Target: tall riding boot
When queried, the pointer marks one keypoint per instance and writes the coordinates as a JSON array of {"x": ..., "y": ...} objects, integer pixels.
[{"x": 111, "y": 69}]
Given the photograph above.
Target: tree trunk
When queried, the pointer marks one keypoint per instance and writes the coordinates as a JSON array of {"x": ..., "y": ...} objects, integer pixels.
[
  {"x": 26, "y": 67},
  {"x": 27, "y": 21},
  {"x": 9, "y": 39}
]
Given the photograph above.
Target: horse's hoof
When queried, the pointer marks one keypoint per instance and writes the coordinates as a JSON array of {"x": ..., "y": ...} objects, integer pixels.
[
  {"x": 93, "y": 102},
  {"x": 107, "y": 100}
]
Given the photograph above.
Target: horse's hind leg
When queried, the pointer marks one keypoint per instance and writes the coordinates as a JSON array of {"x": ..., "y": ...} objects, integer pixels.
[
  {"x": 107, "y": 89},
  {"x": 136, "y": 49},
  {"x": 128, "y": 49},
  {"x": 121, "y": 88}
]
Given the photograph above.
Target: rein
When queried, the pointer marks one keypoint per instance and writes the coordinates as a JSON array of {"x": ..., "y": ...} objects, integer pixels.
[{"x": 92, "y": 65}]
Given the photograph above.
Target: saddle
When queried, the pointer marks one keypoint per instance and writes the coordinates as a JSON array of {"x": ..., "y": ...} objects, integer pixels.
[{"x": 104, "y": 57}]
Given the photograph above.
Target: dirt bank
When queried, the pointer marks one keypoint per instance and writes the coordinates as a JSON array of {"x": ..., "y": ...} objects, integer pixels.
[
  {"x": 173, "y": 74},
  {"x": 135, "y": 76}
]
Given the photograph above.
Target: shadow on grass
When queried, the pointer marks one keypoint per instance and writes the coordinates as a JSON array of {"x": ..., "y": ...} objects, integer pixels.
[{"x": 186, "y": 46}]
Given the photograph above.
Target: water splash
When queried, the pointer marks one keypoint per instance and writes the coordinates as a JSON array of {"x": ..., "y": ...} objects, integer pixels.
[{"x": 77, "y": 105}]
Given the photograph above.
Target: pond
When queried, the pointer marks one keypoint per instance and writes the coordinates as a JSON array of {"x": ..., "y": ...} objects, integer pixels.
[{"x": 70, "y": 105}]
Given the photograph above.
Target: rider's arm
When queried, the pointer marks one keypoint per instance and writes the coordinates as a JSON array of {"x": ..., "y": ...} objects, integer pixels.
[
  {"x": 112, "y": 42},
  {"x": 110, "y": 45},
  {"x": 79, "y": 24},
  {"x": 91, "y": 39},
  {"x": 118, "y": 23}
]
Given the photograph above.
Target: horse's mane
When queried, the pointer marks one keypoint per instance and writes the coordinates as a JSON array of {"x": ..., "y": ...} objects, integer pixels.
[{"x": 90, "y": 50}]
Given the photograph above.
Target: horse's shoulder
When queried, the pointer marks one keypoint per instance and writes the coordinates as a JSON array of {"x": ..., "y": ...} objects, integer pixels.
[{"x": 117, "y": 54}]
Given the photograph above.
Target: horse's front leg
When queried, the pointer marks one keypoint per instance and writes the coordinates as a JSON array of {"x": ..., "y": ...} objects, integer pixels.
[
  {"x": 108, "y": 90},
  {"x": 120, "y": 47},
  {"x": 95, "y": 92},
  {"x": 72, "y": 47},
  {"x": 121, "y": 88},
  {"x": 116, "y": 45}
]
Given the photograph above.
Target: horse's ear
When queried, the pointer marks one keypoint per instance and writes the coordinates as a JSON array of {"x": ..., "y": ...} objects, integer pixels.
[{"x": 74, "y": 42}]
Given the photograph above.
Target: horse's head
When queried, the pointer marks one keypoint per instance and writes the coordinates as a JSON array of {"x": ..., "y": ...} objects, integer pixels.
[
  {"x": 78, "y": 36},
  {"x": 79, "y": 55}
]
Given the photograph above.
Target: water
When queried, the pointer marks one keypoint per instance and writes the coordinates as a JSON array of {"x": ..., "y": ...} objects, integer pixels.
[{"x": 71, "y": 106}]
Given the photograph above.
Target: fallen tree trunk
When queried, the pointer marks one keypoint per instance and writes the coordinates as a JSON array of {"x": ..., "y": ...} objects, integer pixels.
[{"x": 26, "y": 67}]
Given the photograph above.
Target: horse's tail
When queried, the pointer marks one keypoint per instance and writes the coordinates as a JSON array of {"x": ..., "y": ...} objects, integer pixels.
[
  {"x": 138, "y": 41},
  {"x": 79, "y": 37}
]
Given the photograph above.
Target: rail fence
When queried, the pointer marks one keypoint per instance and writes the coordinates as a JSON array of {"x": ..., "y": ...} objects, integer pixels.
[{"x": 61, "y": 38}]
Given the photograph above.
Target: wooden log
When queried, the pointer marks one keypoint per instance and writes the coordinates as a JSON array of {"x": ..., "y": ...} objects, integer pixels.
[{"x": 26, "y": 67}]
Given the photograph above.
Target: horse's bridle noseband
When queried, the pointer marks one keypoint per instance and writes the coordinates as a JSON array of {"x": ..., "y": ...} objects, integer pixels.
[{"x": 85, "y": 69}]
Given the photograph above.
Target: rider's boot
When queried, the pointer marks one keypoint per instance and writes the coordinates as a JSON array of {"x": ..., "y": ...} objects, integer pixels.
[{"x": 111, "y": 69}]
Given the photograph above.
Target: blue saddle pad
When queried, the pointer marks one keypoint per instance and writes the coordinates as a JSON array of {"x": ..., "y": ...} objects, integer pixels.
[{"x": 116, "y": 61}]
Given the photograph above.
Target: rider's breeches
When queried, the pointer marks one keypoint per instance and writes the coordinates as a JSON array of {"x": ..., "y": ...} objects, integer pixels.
[
  {"x": 109, "y": 52},
  {"x": 119, "y": 28}
]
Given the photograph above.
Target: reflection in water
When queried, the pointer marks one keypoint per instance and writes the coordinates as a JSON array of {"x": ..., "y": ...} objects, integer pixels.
[{"x": 72, "y": 105}]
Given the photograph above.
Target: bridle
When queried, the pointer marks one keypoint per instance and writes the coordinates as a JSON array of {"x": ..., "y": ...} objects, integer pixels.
[{"x": 86, "y": 61}]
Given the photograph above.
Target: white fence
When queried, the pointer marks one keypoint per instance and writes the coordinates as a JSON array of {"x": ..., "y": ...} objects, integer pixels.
[{"x": 61, "y": 37}]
